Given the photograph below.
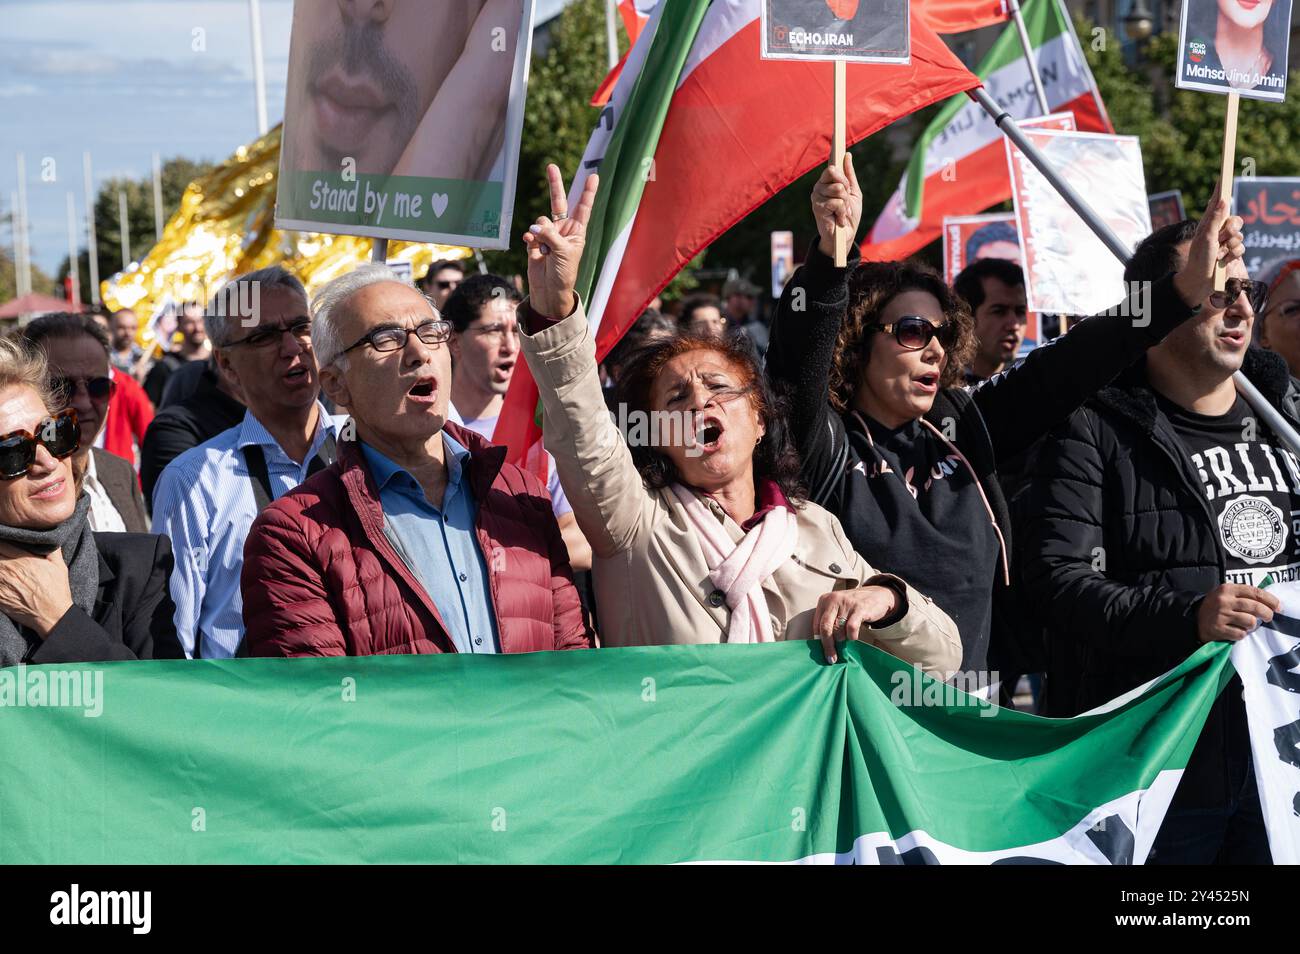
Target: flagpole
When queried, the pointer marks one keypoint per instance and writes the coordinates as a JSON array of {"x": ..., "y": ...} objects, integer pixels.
[
  {"x": 611, "y": 35},
  {"x": 1030, "y": 59},
  {"x": 74, "y": 296},
  {"x": 259, "y": 74},
  {"x": 1272, "y": 417},
  {"x": 124, "y": 229},
  {"x": 22, "y": 248},
  {"x": 157, "y": 198},
  {"x": 91, "y": 241}
]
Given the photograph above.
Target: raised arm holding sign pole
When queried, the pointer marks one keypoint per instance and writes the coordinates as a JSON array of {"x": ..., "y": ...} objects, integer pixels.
[
  {"x": 1224, "y": 189},
  {"x": 840, "y": 31},
  {"x": 1238, "y": 49},
  {"x": 1279, "y": 424}
]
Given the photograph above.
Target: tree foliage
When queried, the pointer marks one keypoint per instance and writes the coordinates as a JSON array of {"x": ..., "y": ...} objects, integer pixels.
[
  {"x": 1182, "y": 130},
  {"x": 559, "y": 118}
]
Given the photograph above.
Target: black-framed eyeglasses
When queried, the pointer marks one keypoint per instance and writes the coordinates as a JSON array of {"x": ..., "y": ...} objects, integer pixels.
[
  {"x": 60, "y": 435},
  {"x": 300, "y": 328},
  {"x": 97, "y": 389},
  {"x": 914, "y": 332},
  {"x": 1256, "y": 294},
  {"x": 434, "y": 331}
]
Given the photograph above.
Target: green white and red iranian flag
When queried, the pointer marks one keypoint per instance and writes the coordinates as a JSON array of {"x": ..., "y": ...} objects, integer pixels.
[
  {"x": 698, "y": 132},
  {"x": 639, "y": 755},
  {"x": 959, "y": 166},
  {"x": 646, "y": 754}
]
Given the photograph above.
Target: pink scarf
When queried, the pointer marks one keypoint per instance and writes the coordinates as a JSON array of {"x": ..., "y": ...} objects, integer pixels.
[{"x": 739, "y": 569}]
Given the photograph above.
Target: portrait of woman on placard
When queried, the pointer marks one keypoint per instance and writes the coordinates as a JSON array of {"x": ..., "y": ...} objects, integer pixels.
[{"x": 1245, "y": 37}]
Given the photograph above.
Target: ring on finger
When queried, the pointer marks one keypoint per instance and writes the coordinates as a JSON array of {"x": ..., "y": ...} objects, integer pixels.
[
  {"x": 839, "y": 623},
  {"x": 558, "y": 216}
]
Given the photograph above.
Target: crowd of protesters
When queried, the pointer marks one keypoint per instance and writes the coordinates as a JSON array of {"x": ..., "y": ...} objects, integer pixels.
[{"x": 880, "y": 463}]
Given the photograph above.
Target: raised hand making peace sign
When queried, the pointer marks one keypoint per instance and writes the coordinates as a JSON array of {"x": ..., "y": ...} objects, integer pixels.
[{"x": 555, "y": 245}]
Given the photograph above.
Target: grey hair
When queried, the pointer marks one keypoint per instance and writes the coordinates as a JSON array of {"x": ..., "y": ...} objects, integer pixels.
[
  {"x": 240, "y": 298},
  {"x": 23, "y": 365},
  {"x": 333, "y": 297}
]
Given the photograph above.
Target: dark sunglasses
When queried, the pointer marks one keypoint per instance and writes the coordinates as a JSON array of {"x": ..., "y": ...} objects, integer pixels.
[
  {"x": 60, "y": 435},
  {"x": 914, "y": 332},
  {"x": 300, "y": 329},
  {"x": 98, "y": 389},
  {"x": 1256, "y": 294},
  {"x": 444, "y": 285}
]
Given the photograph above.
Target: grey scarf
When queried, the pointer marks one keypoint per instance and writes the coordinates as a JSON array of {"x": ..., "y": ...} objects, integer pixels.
[{"x": 74, "y": 538}]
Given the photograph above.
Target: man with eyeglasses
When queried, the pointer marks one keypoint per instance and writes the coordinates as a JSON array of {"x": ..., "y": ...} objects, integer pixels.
[
  {"x": 1157, "y": 513},
  {"x": 421, "y": 538},
  {"x": 441, "y": 280},
  {"x": 208, "y": 497},
  {"x": 77, "y": 351},
  {"x": 484, "y": 351}
]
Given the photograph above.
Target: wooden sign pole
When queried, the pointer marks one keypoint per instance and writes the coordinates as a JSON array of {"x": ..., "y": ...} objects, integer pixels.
[
  {"x": 1226, "y": 170},
  {"x": 842, "y": 235}
]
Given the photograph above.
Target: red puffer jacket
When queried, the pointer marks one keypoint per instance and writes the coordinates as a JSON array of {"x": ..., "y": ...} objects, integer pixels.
[{"x": 321, "y": 579}]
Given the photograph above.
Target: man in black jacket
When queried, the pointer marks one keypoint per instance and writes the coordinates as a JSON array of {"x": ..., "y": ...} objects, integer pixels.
[{"x": 1159, "y": 508}]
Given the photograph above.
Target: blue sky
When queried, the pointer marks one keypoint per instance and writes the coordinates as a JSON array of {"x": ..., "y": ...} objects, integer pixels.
[{"x": 121, "y": 78}]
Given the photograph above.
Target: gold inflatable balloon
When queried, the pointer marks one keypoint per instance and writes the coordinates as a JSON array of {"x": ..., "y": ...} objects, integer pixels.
[{"x": 224, "y": 228}]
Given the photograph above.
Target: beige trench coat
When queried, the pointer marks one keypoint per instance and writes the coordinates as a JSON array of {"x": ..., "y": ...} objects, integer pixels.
[{"x": 651, "y": 578}]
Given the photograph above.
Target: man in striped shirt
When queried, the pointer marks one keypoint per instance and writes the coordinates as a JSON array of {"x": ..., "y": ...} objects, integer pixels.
[{"x": 207, "y": 498}]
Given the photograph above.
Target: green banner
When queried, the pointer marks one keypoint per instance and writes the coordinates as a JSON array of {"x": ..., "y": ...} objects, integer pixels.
[
  {"x": 655, "y": 754},
  {"x": 414, "y": 204}
]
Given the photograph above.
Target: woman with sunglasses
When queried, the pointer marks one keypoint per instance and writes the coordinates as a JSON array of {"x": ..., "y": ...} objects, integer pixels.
[
  {"x": 873, "y": 356},
  {"x": 67, "y": 593},
  {"x": 77, "y": 351}
]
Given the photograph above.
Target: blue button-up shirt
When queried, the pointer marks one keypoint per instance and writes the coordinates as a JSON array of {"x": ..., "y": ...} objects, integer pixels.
[
  {"x": 204, "y": 502},
  {"x": 440, "y": 545}
]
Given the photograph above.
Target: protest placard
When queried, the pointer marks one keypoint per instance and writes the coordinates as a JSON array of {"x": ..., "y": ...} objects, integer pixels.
[
  {"x": 843, "y": 31},
  {"x": 1068, "y": 271},
  {"x": 1270, "y": 211},
  {"x": 861, "y": 31},
  {"x": 782, "y": 261},
  {"x": 1237, "y": 46},
  {"x": 969, "y": 238},
  {"x": 405, "y": 126},
  {"x": 1166, "y": 208}
]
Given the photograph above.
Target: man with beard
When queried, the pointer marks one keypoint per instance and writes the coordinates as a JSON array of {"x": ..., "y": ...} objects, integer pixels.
[
  {"x": 1156, "y": 514},
  {"x": 383, "y": 82}
]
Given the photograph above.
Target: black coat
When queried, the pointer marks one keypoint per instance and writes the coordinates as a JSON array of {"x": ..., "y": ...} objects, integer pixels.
[
  {"x": 1114, "y": 484},
  {"x": 1001, "y": 419},
  {"x": 123, "y": 489},
  {"x": 133, "y": 615}
]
